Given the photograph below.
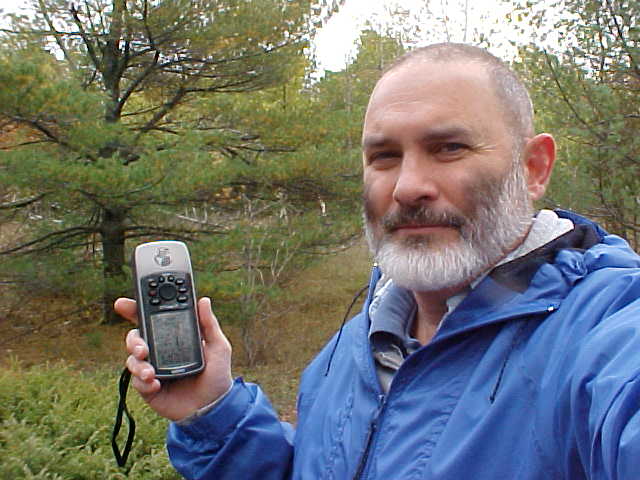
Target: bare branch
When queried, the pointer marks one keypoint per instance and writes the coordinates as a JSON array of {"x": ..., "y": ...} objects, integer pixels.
[
  {"x": 23, "y": 202},
  {"x": 136, "y": 83},
  {"x": 49, "y": 240},
  {"x": 23, "y": 144},
  {"x": 566, "y": 98},
  {"x": 166, "y": 108},
  {"x": 57, "y": 36},
  {"x": 623, "y": 40},
  {"x": 42, "y": 129},
  {"x": 85, "y": 38},
  {"x": 200, "y": 222}
]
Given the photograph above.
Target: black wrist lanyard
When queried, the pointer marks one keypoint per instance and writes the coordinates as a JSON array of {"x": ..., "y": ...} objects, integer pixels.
[{"x": 123, "y": 385}]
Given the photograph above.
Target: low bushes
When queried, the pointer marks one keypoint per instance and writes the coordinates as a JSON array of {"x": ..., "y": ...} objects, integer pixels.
[{"x": 56, "y": 423}]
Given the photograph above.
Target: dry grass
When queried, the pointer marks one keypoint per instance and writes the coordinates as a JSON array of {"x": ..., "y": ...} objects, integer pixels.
[{"x": 52, "y": 331}]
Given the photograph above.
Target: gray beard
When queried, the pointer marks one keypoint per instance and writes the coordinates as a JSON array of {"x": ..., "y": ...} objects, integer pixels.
[{"x": 502, "y": 216}]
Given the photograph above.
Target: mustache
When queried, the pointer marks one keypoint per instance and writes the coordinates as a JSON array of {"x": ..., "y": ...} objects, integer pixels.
[{"x": 421, "y": 216}]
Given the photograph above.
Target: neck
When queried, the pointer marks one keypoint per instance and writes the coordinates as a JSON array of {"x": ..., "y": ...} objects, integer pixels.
[{"x": 431, "y": 308}]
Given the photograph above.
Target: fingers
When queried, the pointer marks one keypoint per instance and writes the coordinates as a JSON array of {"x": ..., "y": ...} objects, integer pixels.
[
  {"x": 146, "y": 388},
  {"x": 144, "y": 379},
  {"x": 140, "y": 369},
  {"x": 126, "y": 308},
  {"x": 136, "y": 346}
]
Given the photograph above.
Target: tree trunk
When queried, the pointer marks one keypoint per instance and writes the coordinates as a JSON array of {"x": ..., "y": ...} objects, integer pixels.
[{"x": 112, "y": 230}]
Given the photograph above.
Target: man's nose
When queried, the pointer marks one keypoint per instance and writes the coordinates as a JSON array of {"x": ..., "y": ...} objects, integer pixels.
[{"x": 416, "y": 182}]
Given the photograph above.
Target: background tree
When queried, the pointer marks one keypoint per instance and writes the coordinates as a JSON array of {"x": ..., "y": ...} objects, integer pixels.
[
  {"x": 586, "y": 93},
  {"x": 325, "y": 119},
  {"x": 124, "y": 125}
]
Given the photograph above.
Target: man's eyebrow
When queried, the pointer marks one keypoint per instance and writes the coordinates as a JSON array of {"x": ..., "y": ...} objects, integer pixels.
[
  {"x": 374, "y": 141},
  {"x": 433, "y": 134},
  {"x": 444, "y": 133}
]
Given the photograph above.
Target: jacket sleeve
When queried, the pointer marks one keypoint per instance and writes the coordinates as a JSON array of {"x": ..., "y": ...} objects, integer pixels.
[
  {"x": 240, "y": 438},
  {"x": 606, "y": 399}
]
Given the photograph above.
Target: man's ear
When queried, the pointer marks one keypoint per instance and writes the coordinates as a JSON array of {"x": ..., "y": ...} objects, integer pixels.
[{"x": 538, "y": 156}]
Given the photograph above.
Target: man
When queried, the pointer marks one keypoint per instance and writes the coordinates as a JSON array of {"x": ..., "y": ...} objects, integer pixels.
[{"x": 495, "y": 343}]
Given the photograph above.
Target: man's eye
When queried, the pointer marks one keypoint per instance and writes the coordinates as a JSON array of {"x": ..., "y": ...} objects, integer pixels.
[
  {"x": 383, "y": 157},
  {"x": 452, "y": 147}
]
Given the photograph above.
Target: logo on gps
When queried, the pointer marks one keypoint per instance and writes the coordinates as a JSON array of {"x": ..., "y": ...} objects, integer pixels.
[{"x": 163, "y": 257}]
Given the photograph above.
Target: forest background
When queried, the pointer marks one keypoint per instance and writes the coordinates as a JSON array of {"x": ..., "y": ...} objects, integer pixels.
[{"x": 208, "y": 121}]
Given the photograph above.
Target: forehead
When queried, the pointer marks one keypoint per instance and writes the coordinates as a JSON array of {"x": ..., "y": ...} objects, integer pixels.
[{"x": 456, "y": 93}]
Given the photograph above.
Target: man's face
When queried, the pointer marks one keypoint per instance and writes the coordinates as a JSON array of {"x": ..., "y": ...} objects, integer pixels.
[{"x": 444, "y": 198}]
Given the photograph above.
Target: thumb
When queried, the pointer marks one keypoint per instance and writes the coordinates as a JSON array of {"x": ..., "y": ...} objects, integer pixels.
[{"x": 210, "y": 327}]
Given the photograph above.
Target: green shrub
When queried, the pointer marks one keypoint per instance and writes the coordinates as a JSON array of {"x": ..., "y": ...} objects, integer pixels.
[{"x": 56, "y": 423}]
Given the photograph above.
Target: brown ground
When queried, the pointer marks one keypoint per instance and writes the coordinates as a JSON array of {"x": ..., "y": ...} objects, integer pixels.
[{"x": 54, "y": 335}]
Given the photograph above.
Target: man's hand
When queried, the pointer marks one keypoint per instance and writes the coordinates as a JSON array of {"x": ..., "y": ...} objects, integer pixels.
[{"x": 177, "y": 399}]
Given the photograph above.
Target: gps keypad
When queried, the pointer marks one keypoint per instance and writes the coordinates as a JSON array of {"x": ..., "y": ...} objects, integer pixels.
[{"x": 166, "y": 289}]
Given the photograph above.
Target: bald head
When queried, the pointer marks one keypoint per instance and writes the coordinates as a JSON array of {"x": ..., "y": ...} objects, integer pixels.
[{"x": 512, "y": 94}]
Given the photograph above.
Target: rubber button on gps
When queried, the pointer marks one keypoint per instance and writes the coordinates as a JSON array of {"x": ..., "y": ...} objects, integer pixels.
[{"x": 167, "y": 292}]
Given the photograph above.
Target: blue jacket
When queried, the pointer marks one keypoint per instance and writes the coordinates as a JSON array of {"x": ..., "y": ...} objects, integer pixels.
[{"x": 533, "y": 376}]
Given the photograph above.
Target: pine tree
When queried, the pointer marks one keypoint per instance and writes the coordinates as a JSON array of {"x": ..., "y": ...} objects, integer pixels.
[{"x": 122, "y": 120}]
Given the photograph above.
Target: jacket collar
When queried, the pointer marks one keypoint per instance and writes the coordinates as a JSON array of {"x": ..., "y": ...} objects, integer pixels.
[{"x": 518, "y": 273}]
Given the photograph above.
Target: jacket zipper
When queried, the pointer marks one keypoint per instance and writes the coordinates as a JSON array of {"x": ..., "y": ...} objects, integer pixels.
[{"x": 373, "y": 427}]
